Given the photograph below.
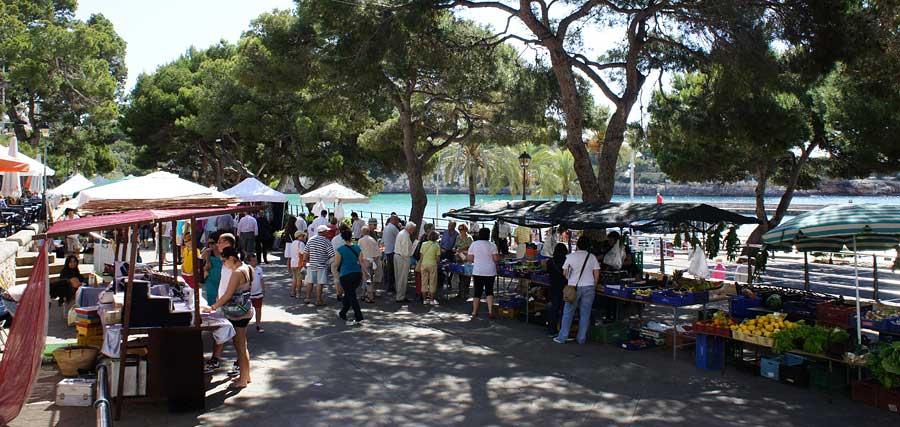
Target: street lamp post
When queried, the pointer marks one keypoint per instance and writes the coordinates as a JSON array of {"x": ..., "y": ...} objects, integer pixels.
[
  {"x": 631, "y": 170},
  {"x": 524, "y": 160},
  {"x": 44, "y": 128}
]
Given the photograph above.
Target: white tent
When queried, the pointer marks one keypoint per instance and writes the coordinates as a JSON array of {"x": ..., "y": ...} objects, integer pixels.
[
  {"x": 252, "y": 190},
  {"x": 156, "y": 190},
  {"x": 35, "y": 167},
  {"x": 333, "y": 193},
  {"x": 11, "y": 186},
  {"x": 36, "y": 184},
  {"x": 73, "y": 185}
]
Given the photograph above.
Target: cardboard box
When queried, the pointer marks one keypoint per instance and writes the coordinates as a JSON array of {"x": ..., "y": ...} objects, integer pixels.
[
  {"x": 75, "y": 392},
  {"x": 135, "y": 377}
]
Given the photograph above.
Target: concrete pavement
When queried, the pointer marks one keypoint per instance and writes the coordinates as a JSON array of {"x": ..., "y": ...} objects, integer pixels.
[{"x": 418, "y": 366}]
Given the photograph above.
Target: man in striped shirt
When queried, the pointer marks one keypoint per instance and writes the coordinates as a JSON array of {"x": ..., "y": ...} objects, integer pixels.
[{"x": 320, "y": 253}]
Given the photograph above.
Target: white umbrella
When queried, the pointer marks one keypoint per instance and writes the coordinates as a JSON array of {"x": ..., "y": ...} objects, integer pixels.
[
  {"x": 11, "y": 186},
  {"x": 35, "y": 167},
  {"x": 36, "y": 186},
  {"x": 72, "y": 186},
  {"x": 252, "y": 190},
  {"x": 333, "y": 193}
]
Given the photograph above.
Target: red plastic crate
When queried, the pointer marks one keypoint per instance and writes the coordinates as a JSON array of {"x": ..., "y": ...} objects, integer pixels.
[
  {"x": 889, "y": 400},
  {"x": 706, "y": 327},
  {"x": 834, "y": 313},
  {"x": 865, "y": 392}
]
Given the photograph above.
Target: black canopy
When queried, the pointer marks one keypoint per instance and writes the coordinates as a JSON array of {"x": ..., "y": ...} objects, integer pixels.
[{"x": 583, "y": 216}]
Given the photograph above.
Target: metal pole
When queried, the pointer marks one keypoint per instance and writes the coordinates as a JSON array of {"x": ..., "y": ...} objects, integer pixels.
[
  {"x": 523, "y": 183},
  {"x": 856, "y": 281},
  {"x": 662, "y": 254},
  {"x": 806, "y": 271},
  {"x": 875, "y": 277}
]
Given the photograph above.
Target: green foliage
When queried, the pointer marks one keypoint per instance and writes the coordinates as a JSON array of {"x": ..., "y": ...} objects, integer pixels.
[
  {"x": 732, "y": 243},
  {"x": 884, "y": 362},
  {"x": 811, "y": 339},
  {"x": 714, "y": 240}
]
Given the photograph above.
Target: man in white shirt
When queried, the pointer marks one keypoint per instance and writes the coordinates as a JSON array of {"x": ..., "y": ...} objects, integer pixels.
[
  {"x": 301, "y": 223},
  {"x": 403, "y": 250},
  {"x": 583, "y": 271},
  {"x": 322, "y": 219},
  {"x": 390, "y": 239},
  {"x": 356, "y": 225},
  {"x": 247, "y": 230},
  {"x": 371, "y": 253}
]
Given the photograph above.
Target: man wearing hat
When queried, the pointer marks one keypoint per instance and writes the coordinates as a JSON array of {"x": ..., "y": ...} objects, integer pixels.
[{"x": 320, "y": 253}]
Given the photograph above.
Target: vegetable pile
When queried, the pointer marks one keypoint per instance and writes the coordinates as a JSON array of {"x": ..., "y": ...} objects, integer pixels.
[
  {"x": 811, "y": 339},
  {"x": 884, "y": 362}
]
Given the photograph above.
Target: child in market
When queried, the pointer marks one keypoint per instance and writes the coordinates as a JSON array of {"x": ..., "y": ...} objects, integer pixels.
[{"x": 257, "y": 290}]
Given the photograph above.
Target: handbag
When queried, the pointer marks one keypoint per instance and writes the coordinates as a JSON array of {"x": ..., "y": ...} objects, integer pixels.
[
  {"x": 570, "y": 292},
  {"x": 239, "y": 304}
]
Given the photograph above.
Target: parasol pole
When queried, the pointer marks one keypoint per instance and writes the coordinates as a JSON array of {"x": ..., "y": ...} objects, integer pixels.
[{"x": 856, "y": 280}]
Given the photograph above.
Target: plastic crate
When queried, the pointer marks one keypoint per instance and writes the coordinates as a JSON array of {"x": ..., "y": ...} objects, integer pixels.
[
  {"x": 865, "y": 392},
  {"x": 517, "y": 303},
  {"x": 617, "y": 291},
  {"x": 833, "y": 313},
  {"x": 680, "y": 300},
  {"x": 540, "y": 278},
  {"x": 508, "y": 312},
  {"x": 769, "y": 367},
  {"x": 706, "y": 327},
  {"x": 889, "y": 400},
  {"x": 789, "y": 359},
  {"x": 709, "y": 353},
  {"x": 740, "y": 305},
  {"x": 795, "y": 375},
  {"x": 608, "y": 333},
  {"x": 891, "y": 325},
  {"x": 825, "y": 379}
]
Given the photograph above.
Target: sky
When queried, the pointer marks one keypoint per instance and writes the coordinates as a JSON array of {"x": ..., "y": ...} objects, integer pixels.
[{"x": 158, "y": 31}]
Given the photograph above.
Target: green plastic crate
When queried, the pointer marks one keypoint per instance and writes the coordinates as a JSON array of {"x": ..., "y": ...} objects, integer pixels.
[
  {"x": 608, "y": 333},
  {"x": 821, "y": 378}
]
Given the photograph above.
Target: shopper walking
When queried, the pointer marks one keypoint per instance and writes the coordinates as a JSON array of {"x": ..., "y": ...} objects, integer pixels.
[
  {"x": 356, "y": 225},
  {"x": 558, "y": 281},
  {"x": 265, "y": 238},
  {"x": 483, "y": 255},
  {"x": 403, "y": 250},
  {"x": 237, "y": 308},
  {"x": 257, "y": 290},
  {"x": 320, "y": 254},
  {"x": 298, "y": 266},
  {"x": 350, "y": 263},
  {"x": 371, "y": 255},
  {"x": 248, "y": 230},
  {"x": 583, "y": 271},
  {"x": 429, "y": 255}
]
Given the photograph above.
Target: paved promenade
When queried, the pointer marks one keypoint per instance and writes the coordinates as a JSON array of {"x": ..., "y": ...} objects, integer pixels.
[{"x": 416, "y": 366}]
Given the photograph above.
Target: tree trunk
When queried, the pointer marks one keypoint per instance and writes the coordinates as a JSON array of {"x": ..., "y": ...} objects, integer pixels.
[
  {"x": 755, "y": 238},
  {"x": 571, "y": 105},
  {"x": 609, "y": 153},
  {"x": 220, "y": 172},
  {"x": 413, "y": 166}
]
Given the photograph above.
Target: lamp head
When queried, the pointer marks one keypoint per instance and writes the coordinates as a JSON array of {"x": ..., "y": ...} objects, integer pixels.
[{"x": 524, "y": 159}]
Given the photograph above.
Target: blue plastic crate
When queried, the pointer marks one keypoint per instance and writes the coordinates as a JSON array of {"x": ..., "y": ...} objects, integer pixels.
[
  {"x": 617, "y": 291},
  {"x": 768, "y": 367},
  {"x": 740, "y": 305},
  {"x": 790, "y": 359},
  {"x": 679, "y": 300},
  {"x": 512, "y": 303},
  {"x": 709, "y": 353}
]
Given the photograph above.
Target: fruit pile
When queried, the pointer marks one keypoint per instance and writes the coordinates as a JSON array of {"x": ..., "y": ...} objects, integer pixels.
[
  {"x": 882, "y": 312},
  {"x": 723, "y": 320},
  {"x": 644, "y": 292},
  {"x": 765, "y": 325}
]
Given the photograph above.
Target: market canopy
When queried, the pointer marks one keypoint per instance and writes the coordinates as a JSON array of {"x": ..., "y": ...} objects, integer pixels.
[
  {"x": 252, "y": 190},
  {"x": 830, "y": 229},
  {"x": 72, "y": 185},
  {"x": 35, "y": 167},
  {"x": 162, "y": 190},
  {"x": 333, "y": 193},
  {"x": 136, "y": 217},
  {"x": 583, "y": 216}
]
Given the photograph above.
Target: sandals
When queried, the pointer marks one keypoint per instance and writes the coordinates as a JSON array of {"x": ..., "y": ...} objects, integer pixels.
[{"x": 320, "y": 304}]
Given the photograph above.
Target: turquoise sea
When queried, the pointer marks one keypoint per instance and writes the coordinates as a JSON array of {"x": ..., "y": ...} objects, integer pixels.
[{"x": 437, "y": 205}]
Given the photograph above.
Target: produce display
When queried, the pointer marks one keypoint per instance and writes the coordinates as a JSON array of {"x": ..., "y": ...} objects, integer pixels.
[
  {"x": 884, "y": 362},
  {"x": 765, "y": 325},
  {"x": 811, "y": 339},
  {"x": 882, "y": 312}
]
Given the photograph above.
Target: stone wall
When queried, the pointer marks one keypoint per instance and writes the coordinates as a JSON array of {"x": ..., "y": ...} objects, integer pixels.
[{"x": 11, "y": 247}]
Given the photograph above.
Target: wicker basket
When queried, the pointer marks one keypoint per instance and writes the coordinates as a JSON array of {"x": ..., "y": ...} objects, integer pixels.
[{"x": 72, "y": 358}]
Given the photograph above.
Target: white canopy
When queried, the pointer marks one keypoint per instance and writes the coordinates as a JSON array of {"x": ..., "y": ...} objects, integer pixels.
[
  {"x": 156, "y": 189},
  {"x": 12, "y": 187},
  {"x": 333, "y": 193},
  {"x": 252, "y": 190},
  {"x": 73, "y": 185},
  {"x": 35, "y": 167}
]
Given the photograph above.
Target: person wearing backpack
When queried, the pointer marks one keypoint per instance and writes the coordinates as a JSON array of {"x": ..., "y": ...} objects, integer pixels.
[
  {"x": 583, "y": 272},
  {"x": 349, "y": 262},
  {"x": 238, "y": 309}
]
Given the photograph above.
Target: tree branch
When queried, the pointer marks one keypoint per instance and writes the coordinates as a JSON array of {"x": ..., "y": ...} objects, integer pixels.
[{"x": 579, "y": 13}]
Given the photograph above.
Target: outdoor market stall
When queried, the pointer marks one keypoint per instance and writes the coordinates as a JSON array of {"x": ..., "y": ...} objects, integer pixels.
[
  {"x": 252, "y": 190},
  {"x": 159, "y": 306}
]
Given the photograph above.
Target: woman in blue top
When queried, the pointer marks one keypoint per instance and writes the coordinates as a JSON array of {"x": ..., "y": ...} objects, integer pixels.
[
  {"x": 349, "y": 261},
  {"x": 213, "y": 268}
]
